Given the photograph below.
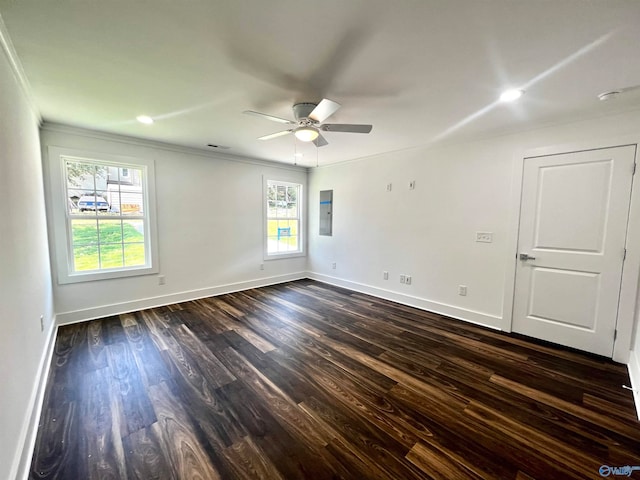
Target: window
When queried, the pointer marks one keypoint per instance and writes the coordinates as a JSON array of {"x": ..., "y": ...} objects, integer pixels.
[
  {"x": 102, "y": 216},
  {"x": 284, "y": 226}
]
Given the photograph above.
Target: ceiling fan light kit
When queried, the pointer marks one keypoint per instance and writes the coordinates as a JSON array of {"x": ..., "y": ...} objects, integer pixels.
[
  {"x": 309, "y": 118},
  {"x": 306, "y": 134}
]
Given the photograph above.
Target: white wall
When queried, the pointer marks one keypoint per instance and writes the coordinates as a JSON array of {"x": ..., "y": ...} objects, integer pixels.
[
  {"x": 210, "y": 224},
  {"x": 429, "y": 232},
  {"x": 634, "y": 361},
  {"x": 25, "y": 278}
]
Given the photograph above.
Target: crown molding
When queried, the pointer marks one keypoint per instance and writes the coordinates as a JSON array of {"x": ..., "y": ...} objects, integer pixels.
[
  {"x": 141, "y": 142},
  {"x": 16, "y": 68}
]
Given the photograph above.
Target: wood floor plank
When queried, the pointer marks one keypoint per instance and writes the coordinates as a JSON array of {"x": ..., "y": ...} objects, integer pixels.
[
  {"x": 305, "y": 380},
  {"x": 279, "y": 404},
  {"x": 186, "y": 455},
  {"x": 627, "y": 429},
  {"x": 145, "y": 458},
  {"x": 211, "y": 368},
  {"x": 135, "y": 408},
  {"x": 57, "y": 442},
  {"x": 568, "y": 455},
  {"x": 248, "y": 461},
  {"x": 147, "y": 356},
  {"x": 100, "y": 453},
  {"x": 198, "y": 394},
  {"x": 292, "y": 457},
  {"x": 436, "y": 463}
]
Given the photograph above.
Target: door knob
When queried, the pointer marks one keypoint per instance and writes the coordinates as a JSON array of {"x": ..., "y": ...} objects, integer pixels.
[{"x": 526, "y": 256}]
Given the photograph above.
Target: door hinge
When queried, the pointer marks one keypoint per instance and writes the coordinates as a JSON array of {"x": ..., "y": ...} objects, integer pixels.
[
  {"x": 634, "y": 168},
  {"x": 624, "y": 254},
  {"x": 615, "y": 334}
]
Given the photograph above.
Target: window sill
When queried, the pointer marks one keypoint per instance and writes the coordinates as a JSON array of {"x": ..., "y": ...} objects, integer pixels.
[
  {"x": 105, "y": 275},
  {"x": 282, "y": 256}
]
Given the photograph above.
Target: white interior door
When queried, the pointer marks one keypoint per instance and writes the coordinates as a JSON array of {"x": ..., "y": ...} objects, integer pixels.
[{"x": 573, "y": 221}]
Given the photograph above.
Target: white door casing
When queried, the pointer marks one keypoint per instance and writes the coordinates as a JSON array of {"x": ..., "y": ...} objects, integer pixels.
[{"x": 573, "y": 221}]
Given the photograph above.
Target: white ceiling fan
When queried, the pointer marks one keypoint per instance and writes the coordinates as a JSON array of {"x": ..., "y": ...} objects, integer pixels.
[{"x": 308, "y": 121}]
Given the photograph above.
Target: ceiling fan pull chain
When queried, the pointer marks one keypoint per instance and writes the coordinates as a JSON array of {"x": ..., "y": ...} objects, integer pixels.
[{"x": 295, "y": 151}]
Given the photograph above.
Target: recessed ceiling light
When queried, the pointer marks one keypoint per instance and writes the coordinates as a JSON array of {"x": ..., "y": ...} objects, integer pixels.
[
  {"x": 144, "y": 119},
  {"x": 298, "y": 155},
  {"x": 511, "y": 95}
]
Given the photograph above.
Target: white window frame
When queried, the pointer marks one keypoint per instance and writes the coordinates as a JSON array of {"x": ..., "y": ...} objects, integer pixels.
[
  {"x": 61, "y": 219},
  {"x": 301, "y": 252}
]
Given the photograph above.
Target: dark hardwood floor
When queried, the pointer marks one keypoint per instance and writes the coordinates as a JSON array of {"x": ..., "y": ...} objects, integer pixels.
[{"x": 306, "y": 380}]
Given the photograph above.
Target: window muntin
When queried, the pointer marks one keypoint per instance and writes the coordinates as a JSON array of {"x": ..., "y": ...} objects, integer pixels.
[{"x": 284, "y": 220}]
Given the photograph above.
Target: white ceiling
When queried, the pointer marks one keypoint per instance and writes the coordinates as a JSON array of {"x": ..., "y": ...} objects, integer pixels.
[{"x": 420, "y": 71}]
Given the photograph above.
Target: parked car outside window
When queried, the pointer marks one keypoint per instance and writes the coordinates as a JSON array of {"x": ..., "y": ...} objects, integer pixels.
[{"x": 90, "y": 202}]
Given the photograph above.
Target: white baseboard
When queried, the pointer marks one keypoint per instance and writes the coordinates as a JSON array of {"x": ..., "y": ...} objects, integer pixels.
[
  {"x": 471, "y": 316},
  {"x": 135, "y": 305},
  {"x": 634, "y": 377},
  {"x": 22, "y": 462}
]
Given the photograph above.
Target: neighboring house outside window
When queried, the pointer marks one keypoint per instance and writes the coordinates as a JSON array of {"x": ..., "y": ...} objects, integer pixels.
[
  {"x": 284, "y": 225},
  {"x": 102, "y": 216}
]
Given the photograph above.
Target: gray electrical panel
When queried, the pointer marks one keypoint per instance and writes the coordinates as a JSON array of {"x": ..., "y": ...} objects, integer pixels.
[{"x": 326, "y": 212}]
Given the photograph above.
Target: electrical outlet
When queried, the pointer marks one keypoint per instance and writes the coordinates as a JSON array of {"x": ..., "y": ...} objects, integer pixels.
[
  {"x": 403, "y": 279},
  {"x": 161, "y": 280},
  {"x": 389, "y": 187},
  {"x": 484, "y": 237},
  {"x": 407, "y": 279},
  {"x": 385, "y": 275},
  {"x": 462, "y": 290},
  {"x": 42, "y": 323},
  {"x": 333, "y": 265},
  {"x": 262, "y": 266},
  {"x": 412, "y": 185}
]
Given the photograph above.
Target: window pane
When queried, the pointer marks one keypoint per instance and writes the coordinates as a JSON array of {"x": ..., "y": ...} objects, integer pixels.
[
  {"x": 133, "y": 231},
  {"x": 84, "y": 232},
  {"x": 292, "y": 239},
  {"x": 85, "y": 258},
  {"x": 80, "y": 175},
  {"x": 113, "y": 198},
  {"x": 272, "y": 210},
  {"x": 131, "y": 202},
  {"x": 292, "y": 210},
  {"x": 293, "y": 224},
  {"x": 110, "y": 231},
  {"x": 292, "y": 195},
  {"x": 91, "y": 202},
  {"x": 272, "y": 236},
  {"x": 134, "y": 254},
  {"x": 111, "y": 256},
  {"x": 102, "y": 205},
  {"x": 102, "y": 175}
]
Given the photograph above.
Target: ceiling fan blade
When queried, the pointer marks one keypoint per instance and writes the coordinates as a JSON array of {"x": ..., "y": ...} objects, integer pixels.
[
  {"x": 324, "y": 110},
  {"x": 269, "y": 117},
  {"x": 320, "y": 141},
  {"x": 346, "y": 127},
  {"x": 274, "y": 135}
]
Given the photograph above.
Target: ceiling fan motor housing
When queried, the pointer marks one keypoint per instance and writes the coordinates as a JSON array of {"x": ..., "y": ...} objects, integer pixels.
[{"x": 303, "y": 110}]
